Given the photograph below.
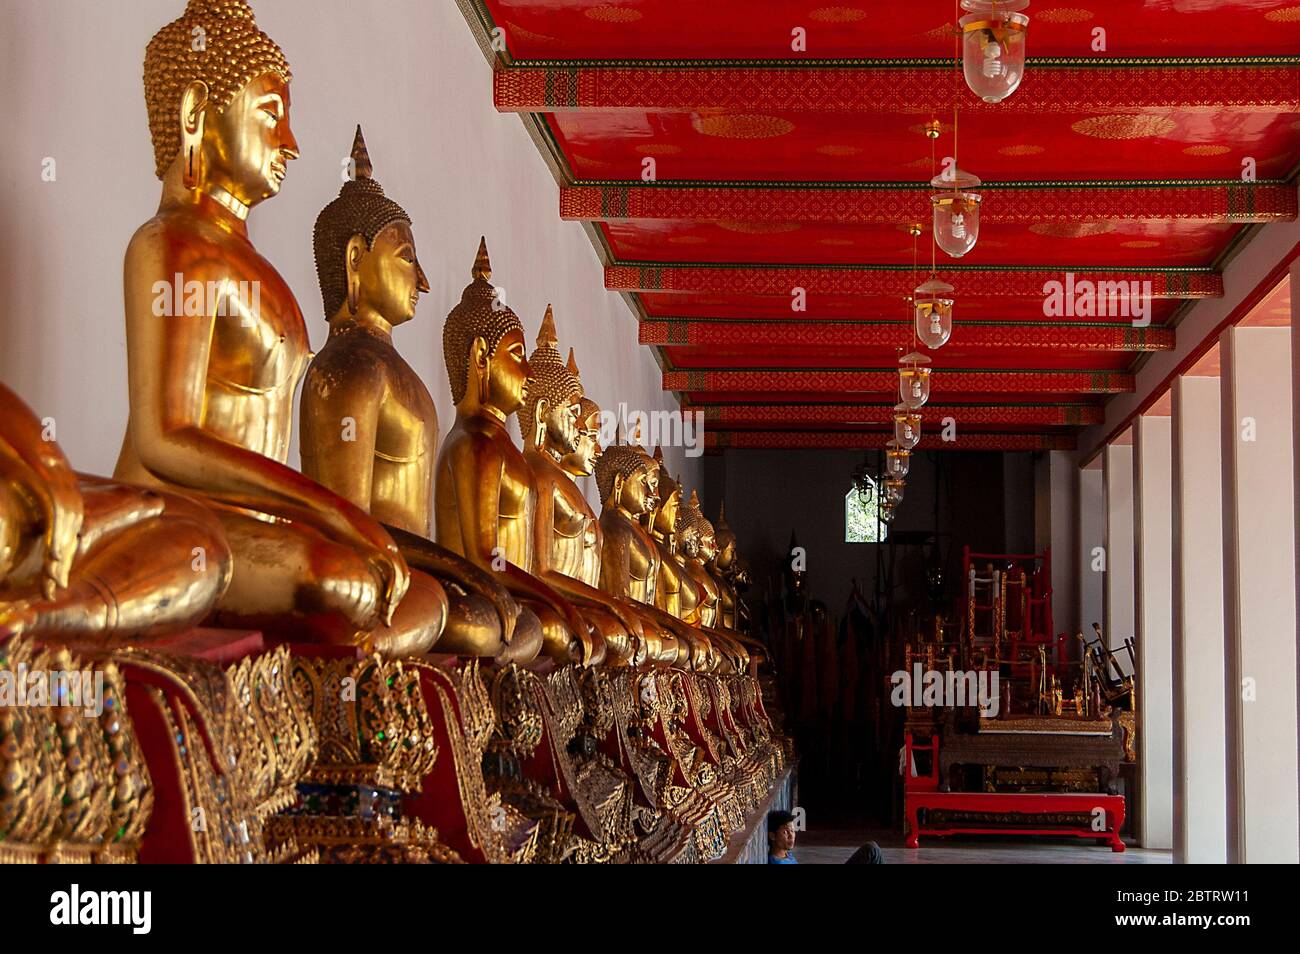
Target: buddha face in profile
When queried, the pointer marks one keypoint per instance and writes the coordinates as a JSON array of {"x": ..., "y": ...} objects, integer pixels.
[
  {"x": 581, "y": 461},
  {"x": 388, "y": 276},
  {"x": 688, "y": 540},
  {"x": 708, "y": 544},
  {"x": 638, "y": 493},
  {"x": 505, "y": 369},
  {"x": 246, "y": 147},
  {"x": 561, "y": 423}
]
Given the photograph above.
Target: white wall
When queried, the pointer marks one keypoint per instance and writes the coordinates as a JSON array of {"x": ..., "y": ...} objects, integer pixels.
[{"x": 408, "y": 70}]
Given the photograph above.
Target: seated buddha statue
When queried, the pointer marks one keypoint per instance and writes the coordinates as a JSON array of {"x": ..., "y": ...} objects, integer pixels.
[
  {"x": 567, "y": 548},
  {"x": 85, "y": 561},
  {"x": 213, "y": 366},
  {"x": 485, "y": 497},
  {"x": 627, "y": 481},
  {"x": 369, "y": 425},
  {"x": 675, "y": 592},
  {"x": 720, "y": 566}
]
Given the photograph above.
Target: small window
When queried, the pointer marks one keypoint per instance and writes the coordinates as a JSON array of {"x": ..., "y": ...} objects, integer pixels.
[{"x": 861, "y": 516}]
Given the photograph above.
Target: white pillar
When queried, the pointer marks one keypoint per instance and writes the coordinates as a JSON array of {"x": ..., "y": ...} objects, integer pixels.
[
  {"x": 1153, "y": 563},
  {"x": 1091, "y": 538},
  {"x": 1200, "y": 779},
  {"x": 1259, "y": 598},
  {"x": 1117, "y": 467}
]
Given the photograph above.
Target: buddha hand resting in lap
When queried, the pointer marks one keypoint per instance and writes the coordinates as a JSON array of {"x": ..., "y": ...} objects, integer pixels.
[
  {"x": 212, "y": 382},
  {"x": 369, "y": 426},
  {"x": 485, "y": 498},
  {"x": 88, "y": 562}
]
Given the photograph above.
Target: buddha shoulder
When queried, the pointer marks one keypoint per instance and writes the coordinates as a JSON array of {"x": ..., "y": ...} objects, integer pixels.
[{"x": 348, "y": 366}]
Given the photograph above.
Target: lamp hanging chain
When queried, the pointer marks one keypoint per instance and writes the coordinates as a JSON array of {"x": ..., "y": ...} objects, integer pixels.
[{"x": 912, "y": 309}]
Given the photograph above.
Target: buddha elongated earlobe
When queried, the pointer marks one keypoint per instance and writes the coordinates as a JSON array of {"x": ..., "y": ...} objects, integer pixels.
[
  {"x": 539, "y": 423},
  {"x": 485, "y": 381}
]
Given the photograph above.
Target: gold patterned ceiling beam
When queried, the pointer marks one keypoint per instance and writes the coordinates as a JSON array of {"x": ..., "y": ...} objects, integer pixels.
[
  {"x": 840, "y": 381},
  {"x": 1054, "y": 336},
  {"x": 1066, "y": 210},
  {"x": 718, "y": 441},
  {"x": 813, "y": 414},
  {"x": 1005, "y": 281},
  {"x": 1258, "y": 85}
]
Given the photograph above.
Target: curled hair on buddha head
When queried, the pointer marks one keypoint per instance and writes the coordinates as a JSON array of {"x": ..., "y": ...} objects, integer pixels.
[
  {"x": 549, "y": 377},
  {"x": 694, "y": 516},
  {"x": 481, "y": 313},
  {"x": 216, "y": 42},
  {"x": 360, "y": 209},
  {"x": 619, "y": 461}
]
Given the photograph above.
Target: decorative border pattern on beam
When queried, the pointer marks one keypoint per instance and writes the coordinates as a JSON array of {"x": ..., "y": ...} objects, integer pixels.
[
  {"x": 891, "y": 203},
  {"x": 865, "y": 380},
  {"x": 717, "y": 441},
  {"x": 1046, "y": 415},
  {"x": 1056, "y": 336},
  {"x": 681, "y": 86},
  {"x": 1007, "y": 281}
]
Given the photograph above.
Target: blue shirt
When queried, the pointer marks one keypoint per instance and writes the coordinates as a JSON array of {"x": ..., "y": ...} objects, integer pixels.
[{"x": 787, "y": 860}]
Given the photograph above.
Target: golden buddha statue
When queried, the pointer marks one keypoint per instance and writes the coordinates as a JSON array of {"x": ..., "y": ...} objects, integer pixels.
[
  {"x": 369, "y": 425},
  {"x": 212, "y": 377},
  {"x": 697, "y": 546},
  {"x": 85, "y": 561},
  {"x": 720, "y": 566},
  {"x": 560, "y": 447},
  {"x": 627, "y": 480},
  {"x": 485, "y": 498},
  {"x": 675, "y": 592}
]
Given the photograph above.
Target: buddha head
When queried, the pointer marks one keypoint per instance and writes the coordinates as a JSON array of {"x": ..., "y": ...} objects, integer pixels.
[
  {"x": 217, "y": 91},
  {"x": 483, "y": 346},
  {"x": 549, "y": 416},
  {"x": 623, "y": 479},
  {"x": 670, "y": 499},
  {"x": 365, "y": 251},
  {"x": 581, "y": 461},
  {"x": 706, "y": 539},
  {"x": 726, "y": 541}
]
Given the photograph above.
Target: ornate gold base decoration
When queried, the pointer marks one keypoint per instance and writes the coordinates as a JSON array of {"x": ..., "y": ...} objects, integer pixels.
[
  {"x": 239, "y": 739},
  {"x": 73, "y": 785},
  {"x": 376, "y": 747}
]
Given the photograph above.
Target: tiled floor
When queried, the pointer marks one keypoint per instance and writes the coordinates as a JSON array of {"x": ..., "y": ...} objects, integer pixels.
[{"x": 834, "y": 848}]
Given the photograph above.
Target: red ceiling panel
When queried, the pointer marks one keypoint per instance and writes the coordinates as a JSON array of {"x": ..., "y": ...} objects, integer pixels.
[
  {"x": 762, "y": 29},
  {"x": 891, "y": 147},
  {"x": 1161, "y": 244},
  {"x": 684, "y": 132}
]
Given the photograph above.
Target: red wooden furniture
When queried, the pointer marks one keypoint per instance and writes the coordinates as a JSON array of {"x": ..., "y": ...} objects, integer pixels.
[{"x": 921, "y": 793}]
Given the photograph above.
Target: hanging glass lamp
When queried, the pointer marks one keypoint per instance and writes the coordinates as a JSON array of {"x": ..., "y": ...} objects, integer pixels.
[
  {"x": 956, "y": 211},
  {"x": 993, "y": 47},
  {"x": 914, "y": 380},
  {"x": 932, "y": 311},
  {"x": 898, "y": 460},
  {"x": 907, "y": 426}
]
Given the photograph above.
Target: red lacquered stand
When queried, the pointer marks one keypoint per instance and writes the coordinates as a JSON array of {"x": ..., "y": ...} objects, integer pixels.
[{"x": 922, "y": 793}]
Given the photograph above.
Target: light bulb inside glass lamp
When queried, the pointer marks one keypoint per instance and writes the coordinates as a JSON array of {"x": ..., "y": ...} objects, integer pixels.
[
  {"x": 894, "y": 490},
  {"x": 907, "y": 426},
  {"x": 897, "y": 460},
  {"x": 956, "y": 221},
  {"x": 993, "y": 47},
  {"x": 914, "y": 381},
  {"x": 933, "y": 311}
]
